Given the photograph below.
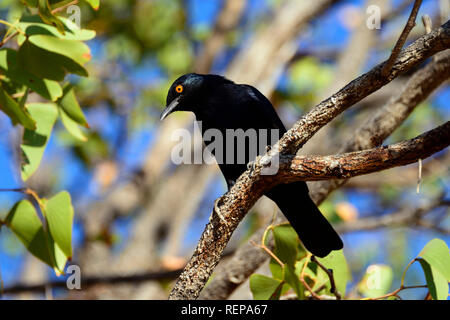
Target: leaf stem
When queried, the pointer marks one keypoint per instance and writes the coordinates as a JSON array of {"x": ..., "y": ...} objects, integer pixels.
[
  {"x": 330, "y": 275},
  {"x": 9, "y": 24}
]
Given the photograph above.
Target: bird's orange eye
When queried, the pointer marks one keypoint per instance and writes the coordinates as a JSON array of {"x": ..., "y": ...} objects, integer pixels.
[{"x": 179, "y": 88}]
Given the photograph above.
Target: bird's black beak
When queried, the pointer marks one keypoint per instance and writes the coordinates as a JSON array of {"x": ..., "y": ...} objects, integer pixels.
[{"x": 170, "y": 108}]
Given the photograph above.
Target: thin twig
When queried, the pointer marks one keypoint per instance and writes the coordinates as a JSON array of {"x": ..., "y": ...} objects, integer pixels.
[
  {"x": 395, "y": 292},
  {"x": 330, "y": 275},
  {"x": 5, "y": 40},
  {"x": 264, "y": 247},
  {"x": 64, "y": 6},
  {"x": 402, "y": 39},
  {"x": 29, "y": 192},
  {"x": 303, "y": 281}
]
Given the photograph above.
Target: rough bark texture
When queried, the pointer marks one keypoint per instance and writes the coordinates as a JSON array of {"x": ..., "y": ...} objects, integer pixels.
[
  {"x": 311, "y": 168},
  {"x": 402, "y": 39}
]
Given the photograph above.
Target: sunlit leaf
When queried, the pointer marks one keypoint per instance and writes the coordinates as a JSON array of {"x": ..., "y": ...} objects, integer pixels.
[
  {"x": 33, "y": 25},
  {"x": 93, "y": 3},
  {"x": 276, "y": 269},
  {"x": 45, "y": 12},
  {"x": 265, "y": 288},
  {"x": 59, "y": 214},
  {"x": 377, "y": 281},
  {"x": 293, "y": 280},
  {"x": 72, "y": 49},
  {"x": 52, "y": 58},
  {"x": 436, "y": 282},
  {"x": 22, "y": 219},
  {"x": 69, "y": 103},
  {"x": 31, "y": 3},
  {"x": 437, "y": 254},
  {"x": 71, "y": 126},
  {"x": 15, "y": 111},
  {"x": 337, "y": 262},
  {"x": 11, "y": 68},
  {"x": 35, "y": 141},
  {"x": 286, "y": 243}
]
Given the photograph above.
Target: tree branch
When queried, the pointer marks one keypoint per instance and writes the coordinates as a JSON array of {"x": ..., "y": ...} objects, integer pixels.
[
  {"x": 406, "y": 216},
  {"x": 94, "y": 280},
  {"x": 372, "y": 133},
  {"x": 249, "y": 188},
  {"x": 402, "y": 39},
  {"x": 361, "y": 87},
  {"x": 312, "y": 168}
]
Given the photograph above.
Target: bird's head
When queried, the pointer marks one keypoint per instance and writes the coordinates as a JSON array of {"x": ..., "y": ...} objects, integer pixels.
[
  {"x": 187, "y": 92},
  {"x": 183, "y": 94}
]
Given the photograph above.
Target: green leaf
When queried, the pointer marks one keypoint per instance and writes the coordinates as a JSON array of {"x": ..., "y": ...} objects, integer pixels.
[
  {"x": 10, "y": 67},
  {"x": 22, "y": 219},
  {"x": 31, "y": 3},
  {"x": 293, "y": 280},
  {"x": 71, "y": 126},
  {"x": 265, "y": 288},
  {"x": 337, "y": 262},
  {"x": 52, "y": 58},
  {"x": 377, "y": 281},
  {"x": 72, "y": 49},
  {"x": 59, "y": 215},
  {"x": 45, "y": 12},
  {"x": 276, "y": 269},
  {"x": 69, "y": 103},
  {"x": 35, "y": 141},
  {"x": 59, "y": 256},
  {"x": 33, "y": 25},
  {"x": 436, "y": 282},
  {"x": 15, "y": 112},
  {"x": 93, "y": 3},
  {"x": 437, "y": 254},
  {"x": 286, "y": 243}
]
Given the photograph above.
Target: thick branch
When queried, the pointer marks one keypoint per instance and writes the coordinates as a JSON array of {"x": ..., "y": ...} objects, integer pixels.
[
  {"x": 94, "y": 280},
  {"x": 294, "y": 168}
]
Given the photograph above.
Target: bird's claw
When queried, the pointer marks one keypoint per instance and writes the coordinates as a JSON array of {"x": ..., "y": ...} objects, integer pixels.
[
  {"x": 252, "y": 164},
  {"x": 217, "y": 210}
]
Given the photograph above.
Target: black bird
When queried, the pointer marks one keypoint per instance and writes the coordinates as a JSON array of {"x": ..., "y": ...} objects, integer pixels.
[{"x": 221, "y": 104}]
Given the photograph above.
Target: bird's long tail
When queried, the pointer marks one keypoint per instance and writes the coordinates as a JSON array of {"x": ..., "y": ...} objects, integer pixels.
[{"x": 313, "y": 229}]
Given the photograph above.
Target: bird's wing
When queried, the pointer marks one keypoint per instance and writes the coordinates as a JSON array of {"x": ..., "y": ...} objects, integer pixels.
[{"x": 262, "y": 108}]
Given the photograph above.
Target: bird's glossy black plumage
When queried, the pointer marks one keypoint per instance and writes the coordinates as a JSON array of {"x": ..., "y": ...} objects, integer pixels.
[{"x": 221, "y": 104}]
